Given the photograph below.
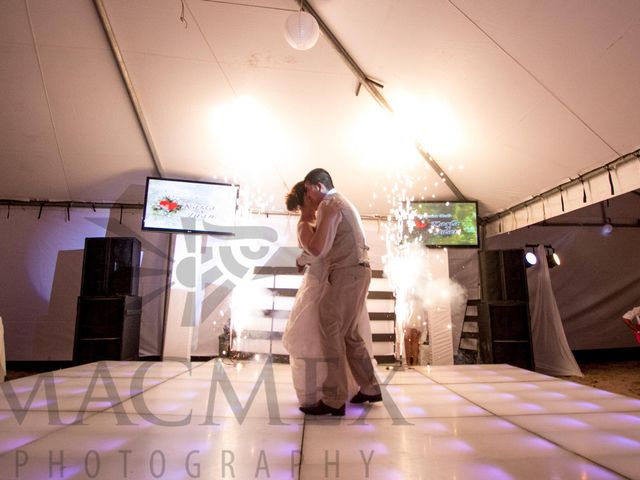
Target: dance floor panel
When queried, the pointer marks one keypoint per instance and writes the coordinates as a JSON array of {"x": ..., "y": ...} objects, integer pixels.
[{"x": 216, "y": 420}]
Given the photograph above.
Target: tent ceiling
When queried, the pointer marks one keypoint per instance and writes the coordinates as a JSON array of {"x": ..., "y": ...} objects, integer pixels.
[{"x": 510, "y": 97}]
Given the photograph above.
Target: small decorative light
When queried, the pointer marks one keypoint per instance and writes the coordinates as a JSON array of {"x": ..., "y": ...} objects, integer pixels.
[{"x": 301, "y": 30}]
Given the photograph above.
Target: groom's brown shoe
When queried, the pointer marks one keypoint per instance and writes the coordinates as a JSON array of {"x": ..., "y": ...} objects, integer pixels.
[
  {"x": 321, "y": 409},
  {"x": 363, "y": 397}
]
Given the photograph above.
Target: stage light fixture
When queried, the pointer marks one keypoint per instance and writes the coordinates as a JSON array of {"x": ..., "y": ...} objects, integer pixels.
[
  {"x": 530, "y": 258},
  {"x": 553, "y": 260}
]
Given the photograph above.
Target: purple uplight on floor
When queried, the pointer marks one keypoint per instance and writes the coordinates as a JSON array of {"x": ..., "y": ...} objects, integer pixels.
[
  {"x": 551, "y": 395},
  {"x": 569, "y": 422},
  {"x": 588, "y": 406},
  {"x": 622, "y": 442},
  {"x": 112, "y": 443},
  {"x": 602, "y": 393},
  {"x": 483, "y": 470},
  {"x": 626, "y": 419},
  {"x": 457, "y": 446},
  {"x": 14, "y": 443},
  {"x": 40, "y": 403},
  {"x": 414, "y": 411},
  {"x": 539, "y": 444},
  {"x": 531, "y": 407}
]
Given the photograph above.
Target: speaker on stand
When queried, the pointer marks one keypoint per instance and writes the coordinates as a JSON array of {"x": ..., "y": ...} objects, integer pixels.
[
  {"x": 109, "y": 308},
  {"x": 111, "y": 266},
  {"x": 504, "y": 322}
]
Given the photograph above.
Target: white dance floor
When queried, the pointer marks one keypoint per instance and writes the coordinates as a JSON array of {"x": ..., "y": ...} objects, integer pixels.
[{"x": 140, "y": 420}]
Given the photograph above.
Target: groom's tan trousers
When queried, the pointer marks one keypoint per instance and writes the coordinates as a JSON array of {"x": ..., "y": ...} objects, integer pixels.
[{"x": 340, "y": 305}]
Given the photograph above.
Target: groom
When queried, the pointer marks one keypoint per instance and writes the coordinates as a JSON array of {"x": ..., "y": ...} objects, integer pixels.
[{"x": 339, "y": 237}]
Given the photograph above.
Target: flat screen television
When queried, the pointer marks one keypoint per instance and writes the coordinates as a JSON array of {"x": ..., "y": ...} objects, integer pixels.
[
  {"x": 445, "y": 224},
  {"x": 187, "y": 206}
]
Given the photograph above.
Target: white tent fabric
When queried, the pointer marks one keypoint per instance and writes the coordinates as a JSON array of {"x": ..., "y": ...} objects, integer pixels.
[
  {"x": 96, "y": 95},
  {"x": 551, "y": 351},
  {"x": 510, "y": 97}
]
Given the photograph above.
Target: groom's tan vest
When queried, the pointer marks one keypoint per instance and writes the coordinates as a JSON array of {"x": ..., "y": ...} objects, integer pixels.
[{"x": 349, "y": 248}]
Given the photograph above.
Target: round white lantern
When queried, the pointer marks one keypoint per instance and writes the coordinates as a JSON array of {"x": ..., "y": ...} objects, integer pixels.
[{"x": 301, "y": 30}]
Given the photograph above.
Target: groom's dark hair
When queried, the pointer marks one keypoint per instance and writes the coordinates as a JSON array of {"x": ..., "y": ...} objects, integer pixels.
[{"x": 319, "y": 175}]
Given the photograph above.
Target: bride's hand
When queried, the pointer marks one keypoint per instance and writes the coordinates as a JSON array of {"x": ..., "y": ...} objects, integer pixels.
[{"x": 307, "y": 213}]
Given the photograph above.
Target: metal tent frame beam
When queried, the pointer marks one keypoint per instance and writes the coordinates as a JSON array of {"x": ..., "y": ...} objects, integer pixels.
[{"x": 372, "y": 88}]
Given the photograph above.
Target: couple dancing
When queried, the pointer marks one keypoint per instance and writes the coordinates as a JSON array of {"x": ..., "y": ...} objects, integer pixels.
[{"x": 328, "y": 330}]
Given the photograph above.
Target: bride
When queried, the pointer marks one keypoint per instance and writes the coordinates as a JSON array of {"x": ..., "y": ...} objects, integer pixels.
[{"x": 302, "y": 333}]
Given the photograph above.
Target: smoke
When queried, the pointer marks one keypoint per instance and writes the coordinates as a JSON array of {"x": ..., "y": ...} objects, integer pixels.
[
  {"x": 416, "y": 277},
  {"x": 407, "y": 269},
  {"x": 411, "y": 274},
  {"x": 248, "y": 302}
]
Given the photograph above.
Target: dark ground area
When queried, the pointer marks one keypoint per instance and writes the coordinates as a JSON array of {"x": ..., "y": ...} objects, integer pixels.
[{"x": 621, "y": 377}]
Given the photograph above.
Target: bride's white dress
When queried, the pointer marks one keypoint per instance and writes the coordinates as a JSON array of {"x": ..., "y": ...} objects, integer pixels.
[{"x": 302, "y": 334}]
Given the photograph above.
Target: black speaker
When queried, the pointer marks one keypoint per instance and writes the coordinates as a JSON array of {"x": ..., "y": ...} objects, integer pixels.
[
  {"x": 504, "y": 334},
  {"x": 517, "y": 354},
  {"x": 509, "y": 321},
  {"x": 111, "y": 266},
  {"x": 504, "y": 327},
  {"x": 107, "y": 328},
  {"x": 503, "y": 275}
]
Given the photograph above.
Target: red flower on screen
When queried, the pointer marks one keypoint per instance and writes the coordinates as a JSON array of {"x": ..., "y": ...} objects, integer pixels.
[
  {"x": 166, "y": 206},
  {"x": 169, "y": 205},
  {"x": 420, "y": 224}
]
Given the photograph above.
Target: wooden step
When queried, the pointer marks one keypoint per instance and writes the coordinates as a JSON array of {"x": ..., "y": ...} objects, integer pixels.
[
  {"x": 265, "y": 270},
  {"x": 469, "y": 344},
  {"x": 291, "y": 292},
  {"x": 373, "y": 316},
  {"x": 470, "y": 327}
]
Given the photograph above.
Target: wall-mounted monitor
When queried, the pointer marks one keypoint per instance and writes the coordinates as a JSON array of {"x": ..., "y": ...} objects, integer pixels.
[
  {"x": 187, "y": 206},
  {"x": 445, "y": 224}
]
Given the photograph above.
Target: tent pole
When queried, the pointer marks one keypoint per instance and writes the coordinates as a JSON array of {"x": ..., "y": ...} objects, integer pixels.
[
  {"x": 376, "y": 94},
  {"x": 133, "y": 97}
]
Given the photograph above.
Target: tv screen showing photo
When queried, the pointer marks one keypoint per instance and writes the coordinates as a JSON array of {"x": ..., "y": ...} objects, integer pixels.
[
  {"x": 445, "y": 224},
  {"x": 188, "y": 206}
]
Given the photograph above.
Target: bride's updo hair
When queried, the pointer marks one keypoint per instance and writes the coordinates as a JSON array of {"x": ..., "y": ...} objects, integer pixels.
[{"x": 295, "y": 198}]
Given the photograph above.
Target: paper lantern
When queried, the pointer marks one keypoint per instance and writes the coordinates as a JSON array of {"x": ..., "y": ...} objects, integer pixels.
[{"x": 301, "y": 30}]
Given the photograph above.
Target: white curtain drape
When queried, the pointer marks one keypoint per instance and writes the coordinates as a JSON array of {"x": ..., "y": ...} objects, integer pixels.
[{"x": 551, "y": 351}]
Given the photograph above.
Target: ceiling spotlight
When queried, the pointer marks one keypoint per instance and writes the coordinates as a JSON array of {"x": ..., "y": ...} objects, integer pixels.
[
  {"x": 606, "y": 229},
  {"x": 301, "y": 30}
]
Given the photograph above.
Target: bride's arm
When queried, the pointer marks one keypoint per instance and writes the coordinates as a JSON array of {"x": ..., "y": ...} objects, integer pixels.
[
  {"x": 305, "y": 258},
  {"x": 305, "y": 234}
]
